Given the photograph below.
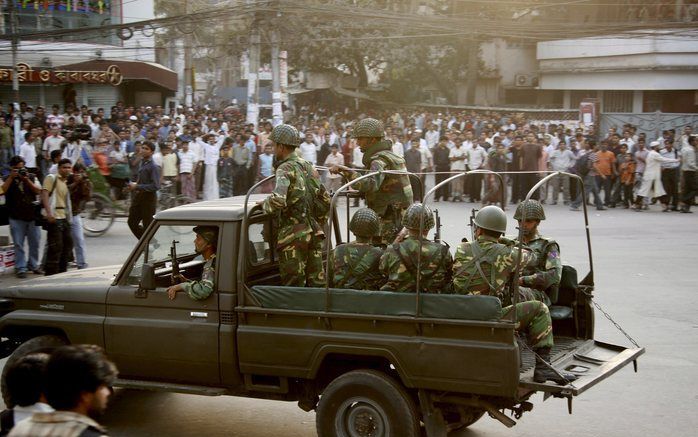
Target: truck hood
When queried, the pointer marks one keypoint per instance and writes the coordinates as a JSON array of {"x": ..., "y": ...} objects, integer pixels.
[{"x": 87, "y": 285}]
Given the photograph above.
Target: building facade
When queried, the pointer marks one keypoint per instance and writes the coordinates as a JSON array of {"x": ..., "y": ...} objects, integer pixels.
[{"x": 58, "y": 61}]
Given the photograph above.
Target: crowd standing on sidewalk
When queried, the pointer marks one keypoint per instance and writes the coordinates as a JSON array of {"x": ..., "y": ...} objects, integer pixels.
[{"x": 207, "y": 153}]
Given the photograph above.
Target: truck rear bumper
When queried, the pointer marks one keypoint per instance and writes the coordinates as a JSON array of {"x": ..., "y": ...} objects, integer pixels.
[{"x": 592, "y": 361}]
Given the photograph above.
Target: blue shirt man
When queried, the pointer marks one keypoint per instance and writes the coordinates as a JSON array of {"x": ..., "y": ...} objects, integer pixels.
[{"x": 144, "y": 192}]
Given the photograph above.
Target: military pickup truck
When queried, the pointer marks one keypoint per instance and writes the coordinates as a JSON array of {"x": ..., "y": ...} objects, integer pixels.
[{"x": 369, "y": 363}]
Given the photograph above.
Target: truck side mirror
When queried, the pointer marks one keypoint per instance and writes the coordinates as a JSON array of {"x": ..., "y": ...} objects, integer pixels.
[{"x": 147, "y": 280}]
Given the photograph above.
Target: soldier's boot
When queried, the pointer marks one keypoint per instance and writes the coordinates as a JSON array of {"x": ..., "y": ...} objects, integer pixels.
[{"x": 544, "y": 372}]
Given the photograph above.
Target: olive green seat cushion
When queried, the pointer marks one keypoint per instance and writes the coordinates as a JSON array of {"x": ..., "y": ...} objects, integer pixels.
[{"x": 443, "y": 306}]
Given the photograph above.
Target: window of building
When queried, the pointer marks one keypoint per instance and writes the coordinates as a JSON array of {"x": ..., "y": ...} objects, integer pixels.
[
  {"x": 618, "y": 101},
  {"x": 44, "y": 16}
]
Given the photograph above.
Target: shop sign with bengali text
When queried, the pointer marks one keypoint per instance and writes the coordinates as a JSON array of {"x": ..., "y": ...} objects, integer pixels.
[{"x": 26, "y": 74}]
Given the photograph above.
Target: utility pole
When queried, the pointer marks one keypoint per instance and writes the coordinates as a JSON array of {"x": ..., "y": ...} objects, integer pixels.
[
  {"x": 471, "y": 83},
  {"x": 277, "y": 113},
  {"x": 17, "y": 121},
  {"x": 253, "y": 75},
  {"x": 188, "y": 70}
]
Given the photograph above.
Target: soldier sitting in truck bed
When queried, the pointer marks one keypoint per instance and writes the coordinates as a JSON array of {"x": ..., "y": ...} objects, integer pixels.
[
  {"x": 355, "y": 265},
  {"x": 400, "y": 260},
  {"x": 205, "y": 243},
  {"x": 486, "y": 266}
]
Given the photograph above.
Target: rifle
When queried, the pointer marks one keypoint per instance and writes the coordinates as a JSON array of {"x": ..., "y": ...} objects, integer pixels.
[
  {"x": 175, "y": 263},
  {"x": 437, "y": 234},
  {"x": 471, "y": 222}
]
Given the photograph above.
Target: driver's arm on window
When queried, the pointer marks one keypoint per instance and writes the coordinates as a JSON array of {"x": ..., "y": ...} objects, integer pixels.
[{"x": 197, "y": 290}]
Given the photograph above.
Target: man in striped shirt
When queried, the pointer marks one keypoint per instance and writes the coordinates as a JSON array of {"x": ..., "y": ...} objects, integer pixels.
[{"x": 187, "y": 163}]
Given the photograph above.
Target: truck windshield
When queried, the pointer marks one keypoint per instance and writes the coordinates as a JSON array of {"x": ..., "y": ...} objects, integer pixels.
[{"x": 157, "y": 251}]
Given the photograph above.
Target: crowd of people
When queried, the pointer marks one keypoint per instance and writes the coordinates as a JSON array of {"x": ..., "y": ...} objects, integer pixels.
[{"x": 207, "y": 153}]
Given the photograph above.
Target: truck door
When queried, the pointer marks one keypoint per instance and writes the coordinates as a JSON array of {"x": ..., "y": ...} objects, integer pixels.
[{"x": 151, "y": 337}]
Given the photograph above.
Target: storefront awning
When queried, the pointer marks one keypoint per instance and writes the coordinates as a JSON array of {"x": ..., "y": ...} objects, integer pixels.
[{"x": 132, "y": 70}]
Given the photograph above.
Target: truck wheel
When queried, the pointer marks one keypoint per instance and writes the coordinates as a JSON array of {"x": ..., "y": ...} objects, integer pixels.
[
  {"x": 366, "y": 403},
  {"x": 44, "y": 343}
]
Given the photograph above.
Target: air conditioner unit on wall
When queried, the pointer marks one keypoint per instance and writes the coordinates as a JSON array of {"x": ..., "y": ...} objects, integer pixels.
[{"x": 526, "y": 80}]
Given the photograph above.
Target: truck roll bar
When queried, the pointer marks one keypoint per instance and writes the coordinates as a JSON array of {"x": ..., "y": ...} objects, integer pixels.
[{"x": 333, "y": 203}]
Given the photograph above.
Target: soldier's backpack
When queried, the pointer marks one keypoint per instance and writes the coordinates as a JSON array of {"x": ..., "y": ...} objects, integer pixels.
[{"x": 317, "y": 198}]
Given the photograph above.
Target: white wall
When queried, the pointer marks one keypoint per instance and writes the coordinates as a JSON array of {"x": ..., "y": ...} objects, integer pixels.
[
  {"x": 645, "y": 62},
  {"x": 141, "y": 47},
  {"x": 509, "y": 61},
  {"x": 621, "y": 80},
  {"x": 618, "y": 46}
]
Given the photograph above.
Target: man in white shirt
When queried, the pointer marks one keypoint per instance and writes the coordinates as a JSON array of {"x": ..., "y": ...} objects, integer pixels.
[
  {"x": 308, "y": 149},
  {"x": 211, "y": 150},
  {"x": 477, "y": 158},
  {"x": 28, "y": 152},
  {"x": 53, "y": 142},
  {"x": 627, "y": 140},
  {"x": 397, "y": 148},
  {"x": 187, "y": 165},
  {"x": 432, "y": 136},
  {"x": 684, "y": 139},
  {"x": 459, "y": 158},
  {"x": 468, "y": 141},
  {"x": 561, "y": 159},
  {"x": 333, "y": 181}
]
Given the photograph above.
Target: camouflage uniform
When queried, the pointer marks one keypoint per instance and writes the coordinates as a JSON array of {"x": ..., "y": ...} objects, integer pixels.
[
  {"x": 468, "y": 280},
  {"x": 497, "y": 263},
  {"x": 299, "y": 240},
  {"x": 355, "y": 265},
  {"x": 388, "y": 195},
  {"x": 200, "y": 290},
  {"x": 399, "y": 265},
  {"x": 546, "y": 274}
]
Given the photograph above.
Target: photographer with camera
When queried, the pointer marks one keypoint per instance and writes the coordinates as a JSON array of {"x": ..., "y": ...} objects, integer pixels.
[{"x": 20, "y": 189}]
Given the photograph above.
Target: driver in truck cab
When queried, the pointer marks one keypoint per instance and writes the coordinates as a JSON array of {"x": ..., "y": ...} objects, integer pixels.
[{"x": 205, "y": 243}]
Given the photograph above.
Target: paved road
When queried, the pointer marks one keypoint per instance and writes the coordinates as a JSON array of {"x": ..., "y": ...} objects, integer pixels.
[{"x": 644, "y": 265}]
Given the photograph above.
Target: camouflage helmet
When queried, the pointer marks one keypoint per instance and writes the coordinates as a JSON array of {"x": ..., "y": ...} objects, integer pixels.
[
  {"x": 414, "y": 214},
  {"x": 491, "y": 218},
  {"x": 534, "y": 210},
  {"x": 365, "y": 223},
  {"x": 285, "y": 134},
  {"x": 208, "y": 233},
  {"x": 368, "y": 128}
]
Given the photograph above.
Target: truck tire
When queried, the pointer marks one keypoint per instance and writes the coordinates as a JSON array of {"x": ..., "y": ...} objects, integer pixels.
[
  {"x": 44, "y": 343},
  {"x": 366, "y": 403},
  {"x": 466, "y": 417}
]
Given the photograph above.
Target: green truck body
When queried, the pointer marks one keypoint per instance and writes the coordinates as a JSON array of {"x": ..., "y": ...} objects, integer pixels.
[{"x": 445, "y": 358}]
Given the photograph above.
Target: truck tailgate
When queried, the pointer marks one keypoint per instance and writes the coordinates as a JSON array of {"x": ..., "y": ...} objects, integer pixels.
[{"x": 592, "y": 361}]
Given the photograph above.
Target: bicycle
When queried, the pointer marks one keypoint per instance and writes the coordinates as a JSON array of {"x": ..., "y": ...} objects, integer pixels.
[
  {"x": 101, "y": 209},
  {"x": 168, "y": 197}
]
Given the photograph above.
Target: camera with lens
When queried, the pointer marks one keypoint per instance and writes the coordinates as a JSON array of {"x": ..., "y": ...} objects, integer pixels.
[{"x": 23, "y": 172}]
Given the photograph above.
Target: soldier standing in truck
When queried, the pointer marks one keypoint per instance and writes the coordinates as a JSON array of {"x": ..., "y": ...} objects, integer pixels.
[
  {"x": 298, "y": 200},
  {"x": 389, "y": 195}
]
